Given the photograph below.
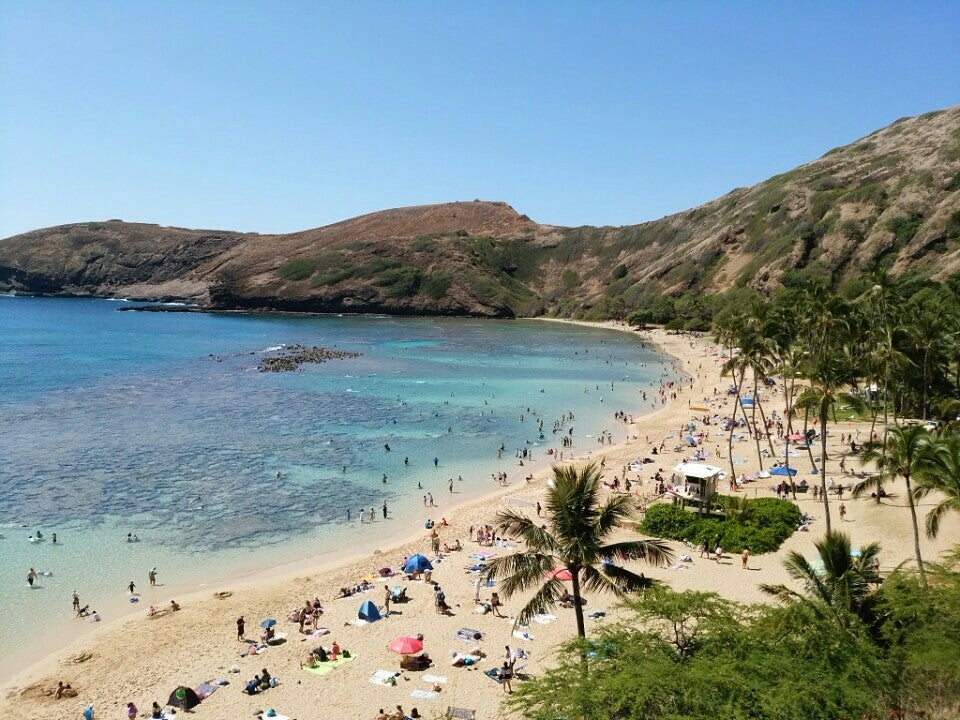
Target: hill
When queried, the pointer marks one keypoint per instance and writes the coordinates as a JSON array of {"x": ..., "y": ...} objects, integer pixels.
[{"x": 890, "y": 200}]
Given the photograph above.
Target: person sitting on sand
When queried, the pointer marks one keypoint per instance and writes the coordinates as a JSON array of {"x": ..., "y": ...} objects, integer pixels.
[
  {"x": 268, "y": 635},
  {"x": 63, "y": 691},
  {"x": 152, "y": 611},
  {"x": 174, "y": 605},
  {"x": 253, "y": 686},
  {"x": 156, "y": 711},
  {"x": 266, "y": 681},
  {"x": 310, "y": 661},
  {"x": 398, "y": 714},
  {"x": 381, "y": 715}
]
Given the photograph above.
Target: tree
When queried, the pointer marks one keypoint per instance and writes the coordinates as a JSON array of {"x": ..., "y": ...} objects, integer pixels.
[
  {"x": 573, "y": 540},
  {"x": 842, "y": 587},
  {"x": 828, "y": 374},
  {"x": 941, "y": 476},
  {"x": 906, "y": 452}
]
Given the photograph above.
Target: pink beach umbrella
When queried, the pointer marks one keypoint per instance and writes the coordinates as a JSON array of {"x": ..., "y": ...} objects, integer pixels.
[
  {"x": 405, "y": 645},
  {"x": 562, "y": 574}
]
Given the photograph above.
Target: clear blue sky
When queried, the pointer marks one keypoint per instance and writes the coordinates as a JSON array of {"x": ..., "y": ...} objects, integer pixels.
[{"x": 278, "y": 116}]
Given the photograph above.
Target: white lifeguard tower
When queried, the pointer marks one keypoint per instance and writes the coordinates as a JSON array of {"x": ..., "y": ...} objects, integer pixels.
[{"x": 696, "y": 483}]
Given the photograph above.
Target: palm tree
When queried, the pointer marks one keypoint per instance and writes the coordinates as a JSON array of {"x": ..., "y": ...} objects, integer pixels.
[
  {"x": 942, "y": 476},
  {"x": 573, "y": 540},
  {"x": 906, "y": 452},
  {"x": 842, "y": 585},
  {"x": 828, "y": 375}
]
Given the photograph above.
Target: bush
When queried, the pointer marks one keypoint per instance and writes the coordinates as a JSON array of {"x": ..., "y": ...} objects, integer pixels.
[
  {"x": 299, "y": 269},
  {"x": 762, "y": 527}
]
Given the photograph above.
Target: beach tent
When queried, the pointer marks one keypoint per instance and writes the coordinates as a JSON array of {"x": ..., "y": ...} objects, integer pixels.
[
  {"x": 368, "y": 611},
  {"x": 183, "y": 698},
  {"x": 417, "y": 563},
  {"x": 783, "y": 471}
]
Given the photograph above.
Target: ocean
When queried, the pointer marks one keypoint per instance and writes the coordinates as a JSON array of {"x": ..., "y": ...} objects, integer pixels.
[{"x": 160, "y": 425}]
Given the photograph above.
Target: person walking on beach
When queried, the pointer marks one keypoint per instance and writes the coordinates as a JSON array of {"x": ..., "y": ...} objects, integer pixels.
[
  {"x": 386, "y": 598},
  {"x": 430, "y": 498},
  {"x": 843, "y": 512},
  {"x": 361, "y": 516},
  {"x": 451, "y": 484},
  {"x": 132, "y": 588},
  {"x": 744, "y": 558},
  {"x": 241, "y": 625}
]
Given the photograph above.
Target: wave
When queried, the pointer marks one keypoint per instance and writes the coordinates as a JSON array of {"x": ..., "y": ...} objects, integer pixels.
[{"x": 274, "y": 348}]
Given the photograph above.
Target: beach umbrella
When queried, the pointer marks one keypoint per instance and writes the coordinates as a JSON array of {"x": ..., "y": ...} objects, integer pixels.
[
  {"x": 417, "y": 563},
  {"x": 268, "y": 623},
  {"x": 783, "y": 471},
  {"x": 405, "y": 645},
  {"x": 795, "y": 436},
  {"x": 561, "y": 574}
]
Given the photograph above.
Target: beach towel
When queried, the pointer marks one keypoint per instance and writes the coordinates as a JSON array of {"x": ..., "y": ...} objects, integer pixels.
[
  {"x": 468, "y": 635},
  {"x": 522, "y": 635},
  {"x": 424, "y": 694},
  {"x": 275, "y": 716},
  {"x": 381, "y": 677},
  {"x": 434, "y": 679},
  {"x": 493, "y": 674},
  {"x": 318, "y": 632},
  {"x": 205, "y": 690},
  {"x": 326, "y": 667},
  {"x": 544, "y": 618}
]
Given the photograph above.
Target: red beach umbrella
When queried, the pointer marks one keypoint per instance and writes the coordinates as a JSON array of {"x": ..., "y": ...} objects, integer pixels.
[
  {"x": 405, "y": 645},
  {"x": 562, "y": 574}
]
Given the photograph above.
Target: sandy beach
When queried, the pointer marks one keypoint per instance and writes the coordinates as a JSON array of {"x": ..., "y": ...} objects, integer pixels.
[{"x": 143, "y": 659}]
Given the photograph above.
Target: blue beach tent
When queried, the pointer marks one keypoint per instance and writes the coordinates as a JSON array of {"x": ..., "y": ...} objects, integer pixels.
[
  {"x": 783, "y": 471},
  {"x": 368, "y": 612},
  {"x": 417, "y": 563}
]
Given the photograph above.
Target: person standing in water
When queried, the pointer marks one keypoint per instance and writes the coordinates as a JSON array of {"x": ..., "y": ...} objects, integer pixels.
[
  {"x": 384, "y": 509},
  {"x": 31, "y": 577},
  {"x": 152, "y": 576},
  {"x": 76, "y": 601},
  {"x": 132, "y": 588}
]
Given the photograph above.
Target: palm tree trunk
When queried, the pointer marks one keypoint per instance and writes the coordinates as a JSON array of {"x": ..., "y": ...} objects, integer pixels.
[
  {"x": 916, "y": 533},
  {"x": 736, "y": 401},
  {"x": 824, "y": 409},
  {"x": 577, "y": 605}
]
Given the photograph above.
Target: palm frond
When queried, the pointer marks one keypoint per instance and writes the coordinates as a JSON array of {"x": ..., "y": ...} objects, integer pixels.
[
  {"x": 655, "y": 552},
  {"x": 545, "y": 598},
  {"x": 520, "y": 571}
]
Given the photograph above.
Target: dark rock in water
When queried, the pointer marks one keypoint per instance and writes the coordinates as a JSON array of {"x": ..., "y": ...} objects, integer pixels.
[{"x": 292, "y": 357}]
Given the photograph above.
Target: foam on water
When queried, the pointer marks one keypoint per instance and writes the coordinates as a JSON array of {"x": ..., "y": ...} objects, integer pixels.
[{"x": 117, "y": 422}]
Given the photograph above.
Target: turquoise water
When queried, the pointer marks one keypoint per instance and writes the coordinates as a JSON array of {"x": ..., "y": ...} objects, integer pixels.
[{"x": 116, "y": 422}]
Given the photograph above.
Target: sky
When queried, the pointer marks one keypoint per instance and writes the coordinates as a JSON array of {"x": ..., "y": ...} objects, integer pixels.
[{"x": 281, "y": 116}]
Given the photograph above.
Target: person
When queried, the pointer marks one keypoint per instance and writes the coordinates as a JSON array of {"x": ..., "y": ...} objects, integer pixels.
[
  {"x": 495, "y": 605},
  {"x": 240, "y": 627},
  {"x": 174, "y": 605},
  {"x": 398, "y": 714},
  {"x": 54, "y": 537},
  {"x": 384, "y": 509},
  {"x": 83, "y": 612},
  {"x": 156, "y": 711},
  {"x": 31, "y": 577},
  {"x": 265, "y": 679},
  {"x": 506, "y": 675},
  {"x": 132, "y": 588},
  {"x": 88, "y": 713},
  {"x": 744, "y": 557},
  {"x": 539, "y": 509},
  {"x": 152, "y": 576},
  {"x": 95, "y": 616},
  {"x": 76, "y": 600},
  {"x": 132, "y": 711},
  {"x": 843, "y": 512},
  {"x": 381, "y": 715},
  {"x": 253, "y": 685},
  {"x": 63, "y": 691},
  {"x": 386, "y": 598}
]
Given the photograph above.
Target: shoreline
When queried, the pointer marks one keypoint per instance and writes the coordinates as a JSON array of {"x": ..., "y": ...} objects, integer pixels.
[
  {"x": 122, "y": 613},
  {"x": 197, "y": 644}
]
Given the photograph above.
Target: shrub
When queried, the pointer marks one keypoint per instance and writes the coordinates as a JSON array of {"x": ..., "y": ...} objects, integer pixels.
[
  {"x": 762, "y": 527},
  {"x": 400, "y": 282},
  {"x": 437, "y": 284},
  {"x": 299, "y": 269}
]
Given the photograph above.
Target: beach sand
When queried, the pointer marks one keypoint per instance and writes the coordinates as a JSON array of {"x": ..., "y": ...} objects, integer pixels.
[{"x": 143, "y": 659}]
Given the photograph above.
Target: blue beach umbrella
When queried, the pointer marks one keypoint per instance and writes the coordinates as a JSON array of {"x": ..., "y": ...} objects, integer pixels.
[
  {"x": 783, "y": 471},
  {"x": 268, "y": 623},
  {"x": 417, "y": 563}
]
